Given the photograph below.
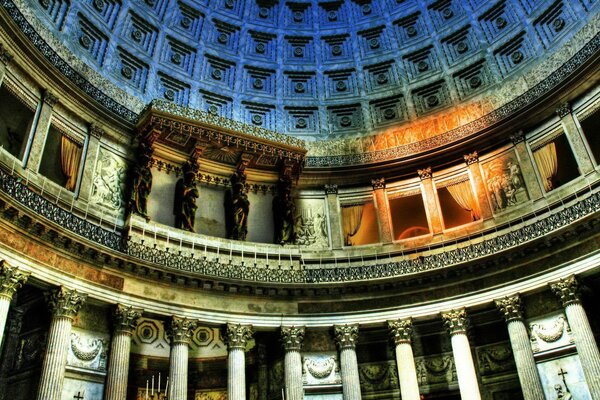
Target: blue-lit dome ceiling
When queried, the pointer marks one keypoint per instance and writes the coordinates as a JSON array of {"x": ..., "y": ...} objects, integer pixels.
[{"x": 313, "y": 69}]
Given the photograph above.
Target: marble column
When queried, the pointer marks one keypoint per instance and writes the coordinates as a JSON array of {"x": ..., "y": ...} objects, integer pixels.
[
  {"x": 64, "y": 304},
  {"x": 531, "y": 385},
  {"x": 11, "y": 279},
  {"x": 456, "y": 322},
  {"x": 335, "y": 216},
  {"x": 567, "y": 290},
  {"x": 576, "y": 138},
  {"x": 435, "y": 217},
  {"x": 382, "y": 208},
  {"x": 401, "y": 335},
  {"x": 180, "y": 333},
  {"x": 478, "y": 185},
  {"x": 125, "y": 322},
  {"x": 346, "y": 337},
  {"x": 92, "y": 151},
  {"x": 5, "y": 59},
  {"x": 291, "y": 338},
  {"x": 34, "y": 155},
  {"x": 237, "y": 337},
  {"x": 263, "y": 371},
  {"x": 527, "y": 169}
]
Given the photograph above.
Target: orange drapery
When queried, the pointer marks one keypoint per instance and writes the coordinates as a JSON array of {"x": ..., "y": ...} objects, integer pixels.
[
  {"x": 461, "y": 193},
  {"x": 547, "y": 163},
  {"x": 70, "y": 157},
  {"x": 351, "y": 219}
]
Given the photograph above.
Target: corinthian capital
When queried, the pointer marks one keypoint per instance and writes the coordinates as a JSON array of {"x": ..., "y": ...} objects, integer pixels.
[
  {"x": 237, "y": 335},
  {"x": 401, "y": 330},
  {"x": 181, "y": 329},
  {"x": 471, "y": 158},
  {"x": 11, "y": 279},
  {"x": 510, "y": 307},
  {"x": 424, "y": 173},
  {"x": 346, "y": 336},
  {"x": 65, "y": 302},
  {"x": 126, "y": 318},
  {"x": 567, "y": 290},
  {"x": 456, "y": 321},
  {"x": 292, "y": 337},
  {"x": 378, "y": 183}
]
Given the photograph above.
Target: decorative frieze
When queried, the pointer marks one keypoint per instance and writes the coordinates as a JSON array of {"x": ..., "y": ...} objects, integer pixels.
[
  {"x": 237, "y": 335},
  {"x": 510, "y": 308},
  {"x": 346, "y": 336},
  {"x": 126, "y": 318},
  {"x": 11, "y": 279},
  {"x": 292, "y": 337},
  {"x": 400, "y": 330},
  {"x": 471, "y": 158},
  {"x": 424, "y": 173},
  {"x": 456, "y": 321},
  {"x": 567, "y": 290},
  {"x": 65, "y": 302},
  {"x": 181, "y": 329}
]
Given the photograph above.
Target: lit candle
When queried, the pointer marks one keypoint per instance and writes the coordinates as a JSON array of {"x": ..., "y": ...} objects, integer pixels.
[
  {"x": 152, "y": 386},
  {"x": 167, "y": 387},
  {"x": 159, "y": 383}
]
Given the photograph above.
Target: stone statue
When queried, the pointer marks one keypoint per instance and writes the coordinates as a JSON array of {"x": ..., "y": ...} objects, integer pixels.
[
  {"x": 141, "y": 181},
  {"x": 237, "y": 206},
  {"x": 186, "y": 194},
  {"x": 284, "y": 210}
]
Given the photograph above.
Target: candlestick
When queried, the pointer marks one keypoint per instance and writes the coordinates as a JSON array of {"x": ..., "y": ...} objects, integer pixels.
[
  {"x": 152, "y": 386},
  {"x": 167, "y": 387},
  {"x": 159, "y": 383},
  {"x": 146, "y": 389}
]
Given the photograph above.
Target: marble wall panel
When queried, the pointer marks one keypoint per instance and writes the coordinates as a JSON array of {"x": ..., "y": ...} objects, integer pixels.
[
  {"x": 260, "y": 218},
  {"x": 312, "y": 223},
  {"x": 162, "y": 197},
  {"x": 210, "y": 217},
  {"x": 110, "y": 178},
  {"x": 570, "y": 386}
]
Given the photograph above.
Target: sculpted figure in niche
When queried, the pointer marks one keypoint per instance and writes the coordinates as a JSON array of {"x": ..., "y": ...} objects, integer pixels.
[
  {"x": 237, "y": 206},
  {"x": 284, "y": 210},
  {"x": 142, "y": 180},
  {"x": 186, "y": 194}
]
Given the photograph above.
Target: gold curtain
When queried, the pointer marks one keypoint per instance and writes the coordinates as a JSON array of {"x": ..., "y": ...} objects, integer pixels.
[
  {"x": 461, "y": 193},
  {"x": 70, "y": 157},
  {"x": 547, "y": 162},
  {"x": 351, "y": 219}
]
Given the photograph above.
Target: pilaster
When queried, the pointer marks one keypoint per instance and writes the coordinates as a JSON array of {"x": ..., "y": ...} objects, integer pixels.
[
  {"x": 576, "y": 138},
  {"x": 92, "y": 152},
  {"x": 472, "y": 161},
  {"x": 34, "y": 156},
  {"x": 382, "y": 208},
  {"x": 433, "y": 211},
  {"x": 335, "y": 219},
  {"x": 527, "y": 169}
]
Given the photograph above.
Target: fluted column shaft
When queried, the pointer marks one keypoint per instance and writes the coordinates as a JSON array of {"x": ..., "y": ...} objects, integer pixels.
[
  {"x": 346, "y": 337},
  {"x": 11, "y": 279},
  {"x": 236, "y": 378},
  {"x": 567, "y": 291},
  {"x": 237, "y": 337},
  {"x": 120, "y": 348},
  {"x": 401, "y": 335},
  {"x": 65, "y": 305},
  {"x": 586, "y": 346},
  {"x": 291, "y": 338},
  {"x": 178, "y": 371},
  {"x": 180, "y": 332},
  {"x": 529, "y": 377},
  {"x": 456, "y": 323}
]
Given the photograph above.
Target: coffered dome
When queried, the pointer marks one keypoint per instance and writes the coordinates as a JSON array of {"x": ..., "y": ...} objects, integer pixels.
[{"x": 314, "y": 69}]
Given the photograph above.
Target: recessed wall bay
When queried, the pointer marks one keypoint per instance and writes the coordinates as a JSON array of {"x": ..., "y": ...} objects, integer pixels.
[
  {"x": 409, "y": 218},
  {"x": 61, "y": 159},
  {"x": 359, "y": 224},
  {"x": 555, "y": 162},
  {"x": 16, "y": 120},
  {"x": 458, "y": 204}
]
